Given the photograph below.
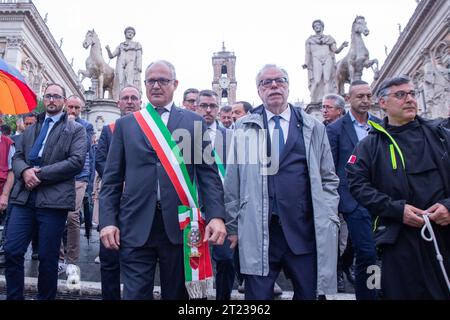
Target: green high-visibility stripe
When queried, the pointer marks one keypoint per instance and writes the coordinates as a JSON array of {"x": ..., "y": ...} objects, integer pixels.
[
  {"x": 393, "y": 157},
  {"x": 377, "y": 127}
]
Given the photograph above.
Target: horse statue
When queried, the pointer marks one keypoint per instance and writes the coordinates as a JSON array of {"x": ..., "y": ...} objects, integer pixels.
[
  {"x": 350, "y": 68},
  {"x": 96, "y": 67}
]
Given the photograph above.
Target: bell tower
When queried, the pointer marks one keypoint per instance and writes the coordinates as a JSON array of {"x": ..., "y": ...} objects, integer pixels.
[{"x": 224, "y": 78}]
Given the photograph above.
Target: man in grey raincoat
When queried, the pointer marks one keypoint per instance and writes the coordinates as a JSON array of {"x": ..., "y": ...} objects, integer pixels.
[{"x": 281, "y": 195}]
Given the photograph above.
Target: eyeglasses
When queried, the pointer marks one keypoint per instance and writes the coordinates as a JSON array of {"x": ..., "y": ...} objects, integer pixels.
[
  {"x": 161, "y": 81},
  {"x": 73, "y": 107},
  {"x": 401, "y": 95},
  {"x": 268, "y": 82},
  {"x": 49, "y": 96},
  {"x": 327, "y": 107},
  {"x": 206, "y": 106},
  {"x": 126, "y": 98}
]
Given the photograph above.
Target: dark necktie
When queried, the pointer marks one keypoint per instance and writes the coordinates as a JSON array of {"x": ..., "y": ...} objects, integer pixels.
[
  {"x": 161, "y": 110},
  {"x": 277, "y": 120},
  {"x": 33, "y": 156}
]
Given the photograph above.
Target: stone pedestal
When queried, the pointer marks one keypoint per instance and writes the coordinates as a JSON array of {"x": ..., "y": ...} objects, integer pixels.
[
  {"x": 101, "y": 112},
  {"x": 313, "y": 109}
]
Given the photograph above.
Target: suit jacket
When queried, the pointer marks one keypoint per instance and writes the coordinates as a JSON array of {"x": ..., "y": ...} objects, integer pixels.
[
  {"x": 102, "y": 149},
  {"x": 133, "y": 169},
  {"x": 343, "y": 139},
  {"x": 222, "y": 142}
]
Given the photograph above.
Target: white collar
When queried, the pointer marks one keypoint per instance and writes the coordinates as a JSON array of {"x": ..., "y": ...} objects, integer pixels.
[
  {"x": 286, "y": 114},
  {"x": 213, "y": 126}
]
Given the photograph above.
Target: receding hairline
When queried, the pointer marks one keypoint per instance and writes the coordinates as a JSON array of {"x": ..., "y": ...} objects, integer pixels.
[
  {"x": 74, "y": 96},
  {"x": 270, "y": 66},
  {"x": 167, "y": 64},
  {"x": 129, "y": 86}
]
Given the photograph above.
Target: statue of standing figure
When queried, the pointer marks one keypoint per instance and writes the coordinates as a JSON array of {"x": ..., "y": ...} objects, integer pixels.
[
  {"x": 129, "y": 62},
  {"x": 321, "y": 63}
]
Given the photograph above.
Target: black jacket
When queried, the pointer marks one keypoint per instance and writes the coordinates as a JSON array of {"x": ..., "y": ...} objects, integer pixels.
[
  {"x": 62, "y": 159},
  {"x": 381, "y": 188}
]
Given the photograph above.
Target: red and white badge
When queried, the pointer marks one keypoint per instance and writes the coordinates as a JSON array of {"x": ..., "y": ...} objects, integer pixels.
[{"x": 352, "y": 159}]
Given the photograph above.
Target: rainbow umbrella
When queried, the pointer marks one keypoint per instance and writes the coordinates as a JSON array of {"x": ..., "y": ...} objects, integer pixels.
[{"x": 16, "y": 97}]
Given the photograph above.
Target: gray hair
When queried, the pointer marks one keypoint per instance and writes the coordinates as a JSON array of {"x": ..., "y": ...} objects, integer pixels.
[
  {"x": 385, "y": 86},
  {"x": 339, "y": 102},
  {"x": 270, "y": 66},
  {"x": 130, "y": 86},
  {"x": 76, "y": 97},
  {"x": 167, "y": 63},
  {"x": 225, "y": 109}
]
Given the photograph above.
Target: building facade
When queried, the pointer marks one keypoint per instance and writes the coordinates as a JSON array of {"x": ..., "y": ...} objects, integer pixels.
[
  {"x": 27, "y": 44},
  {"x": 423, "y": 53}
]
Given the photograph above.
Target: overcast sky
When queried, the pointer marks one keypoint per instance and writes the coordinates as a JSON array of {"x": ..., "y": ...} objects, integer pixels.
[{"x": 187, "y": 33}]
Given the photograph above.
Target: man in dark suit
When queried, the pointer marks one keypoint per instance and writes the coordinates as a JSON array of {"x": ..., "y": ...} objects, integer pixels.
[
  {"x": 207, "y": 106},
  {"x": 51, "y": 154},
  {"x": 344, "y": 134},
  {"x": 129, "y": 101},
  {"x": 138, "y": 202}
]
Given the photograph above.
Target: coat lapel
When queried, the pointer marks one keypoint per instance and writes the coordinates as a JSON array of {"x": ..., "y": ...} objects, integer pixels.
[
  {"x": 293, "y": 135},
  {"x": 349, "y": 129},
  {"x": 176, "y": 114}
]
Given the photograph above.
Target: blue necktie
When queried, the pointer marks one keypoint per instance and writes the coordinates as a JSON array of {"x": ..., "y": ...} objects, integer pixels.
[
  {"x": 280, "y": 134},
  {"x": 33, "y": 156}
]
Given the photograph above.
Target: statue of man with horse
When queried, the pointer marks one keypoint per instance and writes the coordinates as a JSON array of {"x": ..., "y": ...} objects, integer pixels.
[
  {"x": 96, "y": 67},
  {"x": 351, "y": 67},
  {"x": 320, "y": 62}
]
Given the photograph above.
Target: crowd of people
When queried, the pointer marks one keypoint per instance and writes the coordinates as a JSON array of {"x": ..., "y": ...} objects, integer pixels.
[{"x": 257, "y": 190}]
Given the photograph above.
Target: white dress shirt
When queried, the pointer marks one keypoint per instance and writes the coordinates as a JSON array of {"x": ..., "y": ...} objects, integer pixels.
[
  {"x": 212, "y": 130},
  {"x": 284, "y": 122}
]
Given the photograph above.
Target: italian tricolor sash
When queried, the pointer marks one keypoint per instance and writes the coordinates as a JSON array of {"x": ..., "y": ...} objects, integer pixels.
[{"x": 197, "y": 261}]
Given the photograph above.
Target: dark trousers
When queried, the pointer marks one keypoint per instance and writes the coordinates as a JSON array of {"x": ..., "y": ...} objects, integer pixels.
[
  {"x": 302, "y": 270},
  {"x": 359, "y": 223},
  {"x": 138, "y": 266},
  {"x": 410, "y": 270},
  {"x": 50, "y": 224},
  {"x": 223, "y": 256},
  {"x": 109, "y": 273}
]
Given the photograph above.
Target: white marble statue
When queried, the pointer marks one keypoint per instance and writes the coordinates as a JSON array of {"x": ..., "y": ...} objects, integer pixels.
[
  {"x": 320, "y": 62},
  {"x": 129, "y": 62}
]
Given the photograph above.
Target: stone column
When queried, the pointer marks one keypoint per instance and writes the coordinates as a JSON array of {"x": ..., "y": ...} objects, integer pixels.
[{"x": 13, "y": 51}]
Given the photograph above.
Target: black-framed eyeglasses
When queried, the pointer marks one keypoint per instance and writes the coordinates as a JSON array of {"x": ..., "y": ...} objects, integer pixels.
[
  {"x": 126, "y": 98},
  {"x": 191, "y": 101},
  {"x": 401, "y": 95},
  {"x": 266, "y": 83},
  {"x": 161, "y": 81},
  {"x": 49, "y": 96},
  {"x": 206, "y": 105}
]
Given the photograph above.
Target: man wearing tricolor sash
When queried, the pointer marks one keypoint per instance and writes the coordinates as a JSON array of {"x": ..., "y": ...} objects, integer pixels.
[
  {"x": 208, "y": 107},
  {"x": 149, "y": 204}
]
